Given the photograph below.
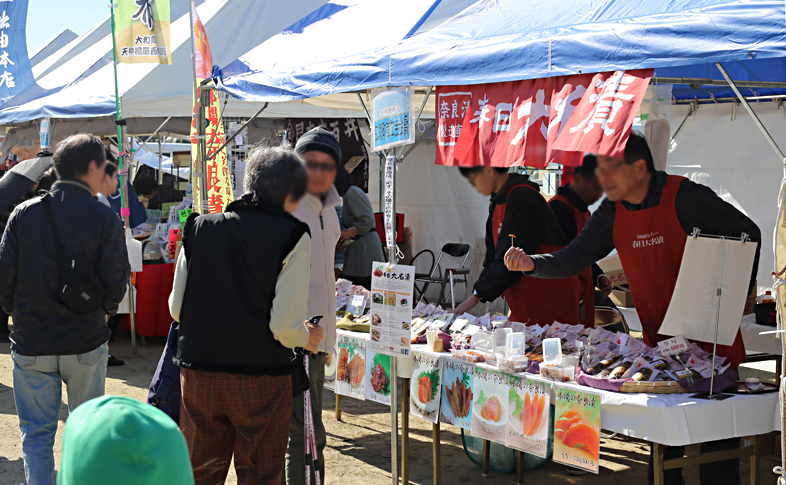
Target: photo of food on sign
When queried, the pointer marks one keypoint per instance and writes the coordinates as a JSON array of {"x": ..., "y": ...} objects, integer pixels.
[
  {"x": 379, "y": 271},
  {"x": 577, "y": 429},
  {"x": 404, "y": 302},
  {"x": 390, "y": 298},
  {"x": 490, "y": 408},
  {"x": 424, "y": 390},
  {"x": 351, "y": 365},
  {"x": 376, "y": 320},
  {"x": 458, "y": 394},
  {"x": 526, "y": 415},
  {"x": 376, "y": 298},
  {"x": 380, "y": 374},
  {"x": 331, "y": 365},
  {"x": 375, "y": 335}
]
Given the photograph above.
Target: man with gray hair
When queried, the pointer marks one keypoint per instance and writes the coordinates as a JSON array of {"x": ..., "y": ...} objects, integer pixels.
[{"x": 236, "y": 336}]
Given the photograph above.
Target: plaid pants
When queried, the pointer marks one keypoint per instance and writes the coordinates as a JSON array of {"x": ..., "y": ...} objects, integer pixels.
[{"x": 223, "y": 413}]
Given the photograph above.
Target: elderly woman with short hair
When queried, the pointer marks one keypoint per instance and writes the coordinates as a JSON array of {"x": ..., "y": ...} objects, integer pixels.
[{"x": 240, "y": 289}]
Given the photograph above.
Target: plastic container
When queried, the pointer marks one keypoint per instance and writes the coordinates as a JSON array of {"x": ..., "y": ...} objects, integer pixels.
[
  {"x": 483, "y": 340},
  {"x": 558, "y": 373},
  {"x": 552, "y": 351},
  {"x": 515, "y": 345},
  {"x": 501, "y": 338},
  {"x": 514, "y": 365},
  {"x": 765, "y": 298}
]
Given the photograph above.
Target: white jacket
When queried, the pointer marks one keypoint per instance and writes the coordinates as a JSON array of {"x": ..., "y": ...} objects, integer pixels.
[{"x": 322, "y": 220}]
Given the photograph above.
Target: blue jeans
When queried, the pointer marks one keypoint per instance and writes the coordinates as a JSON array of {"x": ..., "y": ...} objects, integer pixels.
[{"x": 37, "y": 394}]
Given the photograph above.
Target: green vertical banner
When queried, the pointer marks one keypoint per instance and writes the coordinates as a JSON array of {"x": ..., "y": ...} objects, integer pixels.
[{"x": 142, "y": 31}]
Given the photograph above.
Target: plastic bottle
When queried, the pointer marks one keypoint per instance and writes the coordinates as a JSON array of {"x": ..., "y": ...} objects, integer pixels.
[{"x": 765, "y": 298}]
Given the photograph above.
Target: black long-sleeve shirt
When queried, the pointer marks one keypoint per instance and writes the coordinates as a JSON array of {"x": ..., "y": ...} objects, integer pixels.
[
  {"x": 697, "y": 206},
  {"x": 529, "y": 218},
  {"x": 567, "y": 220}
]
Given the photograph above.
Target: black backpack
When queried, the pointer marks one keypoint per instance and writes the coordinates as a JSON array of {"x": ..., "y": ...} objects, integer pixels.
[{"x": 165, "y": 389}]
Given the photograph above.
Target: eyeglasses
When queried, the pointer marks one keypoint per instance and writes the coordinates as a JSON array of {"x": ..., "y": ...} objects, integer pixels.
[
  {"x": 325, "y": 167},
  {"x": 610, "y": 168}
]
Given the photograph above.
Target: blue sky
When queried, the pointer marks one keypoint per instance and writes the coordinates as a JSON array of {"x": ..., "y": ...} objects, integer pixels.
[{"x": 47, "y": 18}]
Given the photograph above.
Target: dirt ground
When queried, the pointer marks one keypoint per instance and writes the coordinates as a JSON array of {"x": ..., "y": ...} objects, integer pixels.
[{"x": 358, "y": 448}]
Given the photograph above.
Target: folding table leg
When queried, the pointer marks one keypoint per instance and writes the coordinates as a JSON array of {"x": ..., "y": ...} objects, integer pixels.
[
  {"x": 755, "y": 460},
  {"x": 520, "y": 468},
  {"x": 404, "y": 431},
  {"x": 435, "y": 440},
  {"x": 487, "y": 457},
  {"x": 338, "y": 407},
  {"x": 657, "y": 464}
]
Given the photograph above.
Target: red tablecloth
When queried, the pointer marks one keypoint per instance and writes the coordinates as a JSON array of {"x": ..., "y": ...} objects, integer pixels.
[{"x": 153, "y": 285}]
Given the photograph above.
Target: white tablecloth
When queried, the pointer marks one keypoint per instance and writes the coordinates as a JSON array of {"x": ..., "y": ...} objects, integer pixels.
[
  {"x": 678, "y": 419},
  {"x": 754, "y": 343}
]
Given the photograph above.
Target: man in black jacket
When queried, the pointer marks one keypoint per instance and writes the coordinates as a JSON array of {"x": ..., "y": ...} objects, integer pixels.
[{"x": 51, "y": 343}]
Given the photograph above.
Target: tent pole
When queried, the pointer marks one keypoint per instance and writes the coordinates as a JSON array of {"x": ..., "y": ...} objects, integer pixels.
[
  {"x": 417, "y": 142},
  {"x": 693, "y": 106},
  {"x": 232, "y": 137},
  {"x": 144, "y": 143},
  {"x": 751, "y": 112},
  {"x": 160, "y": 176}
]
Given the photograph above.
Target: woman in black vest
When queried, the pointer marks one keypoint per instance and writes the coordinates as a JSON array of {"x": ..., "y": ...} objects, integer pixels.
[{"x": 240, "y": 289}]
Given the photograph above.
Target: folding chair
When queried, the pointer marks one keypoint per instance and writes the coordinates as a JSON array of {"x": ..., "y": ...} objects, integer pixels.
[
  {"x": 611, "y": 319},
  {"x": 451, "y": 276}
]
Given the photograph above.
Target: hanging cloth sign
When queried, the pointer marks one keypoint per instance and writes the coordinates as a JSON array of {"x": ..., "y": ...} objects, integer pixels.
[
  {"x": 15, "y": 72},
  {"x": 537, "y": 121},
  {"x": 142, "y": 32}
]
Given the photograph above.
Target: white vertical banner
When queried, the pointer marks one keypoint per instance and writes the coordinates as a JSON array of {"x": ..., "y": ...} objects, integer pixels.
[{"x": 390, "y": 216}]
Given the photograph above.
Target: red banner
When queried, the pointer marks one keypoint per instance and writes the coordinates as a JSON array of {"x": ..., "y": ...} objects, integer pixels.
[{"x": 537, "y": 121}]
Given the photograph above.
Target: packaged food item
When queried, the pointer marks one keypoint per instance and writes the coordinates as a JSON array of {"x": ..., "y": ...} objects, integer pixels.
[
  {"x": 558, "y": 372},
  {"x": 604, "y": 364},
  {"x": 645, "y": 374},
  {"x": 620, "y": 370},
  {"x": 514, "y": 346},
  {"x": 552, "y": 351},
  {"x": 513, "y": 364}
]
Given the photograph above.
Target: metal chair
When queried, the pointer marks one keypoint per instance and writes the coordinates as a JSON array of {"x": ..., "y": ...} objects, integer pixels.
[
  {"x": 451, "y": 276},
  {"x": 611, "y": 319}
]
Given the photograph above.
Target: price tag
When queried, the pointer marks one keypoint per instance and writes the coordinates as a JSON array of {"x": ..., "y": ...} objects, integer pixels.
[
  {"x": 358, "y": 305},
  {"x": 471, "y": 330},
  {"x": 183, "y": 214},
  {"x": 459, "y": 324},
  {"x": 673, "y": 346}
]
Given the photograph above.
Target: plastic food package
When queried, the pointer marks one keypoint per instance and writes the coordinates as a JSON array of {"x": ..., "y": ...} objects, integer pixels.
[
  {"x": 500, "y": 338},
  {"x": 513, "y": 364},
  {"x": 514, "y": 346},
  {"x": 483, "y": 340},
  {"x": 558, "y": 373},
  {"x": 552, "y": 351}
]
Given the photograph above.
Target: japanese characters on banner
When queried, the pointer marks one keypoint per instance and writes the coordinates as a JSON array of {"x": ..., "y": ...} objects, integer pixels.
[
  {"x": 425, "y": 385},
  {"x": 351, "y": 367},
  {"x": 528, "y": 415},
  {"x": 217, "y": 176},
  {"x": 142, "y": 31},
  {"x": 388, "y": 215},
  {"x": 577, "y": 427},
  {"x": 377, "y": 377},
  {"x": 15, "y": 72},
  {"x": 392, "y": 117},
  {"x": 538, "y": 121},
  {"x": 347, "y": 132},
  {"x": 457, "y": 388},
  {"x": 490, "y": 404},
  {"x": 391, "y": 308}
]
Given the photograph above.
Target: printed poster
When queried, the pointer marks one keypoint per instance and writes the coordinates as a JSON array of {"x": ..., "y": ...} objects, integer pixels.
[
  {"x": 377, "y": 377},
  {"x": 142, "y": 32},
  {"x": 577, "y": 427},
  {"x": 351, "y": 367},
  {"x": 490, "y": 404},
  {"x": 424, "y": 386},
  {"x": 528, "y": 415},
  {"x": 153, "y": 217},
  {"x": 457, "y": 387},
  {"x": 331, "y": 365},
  {"x": 391, "y": 308}
]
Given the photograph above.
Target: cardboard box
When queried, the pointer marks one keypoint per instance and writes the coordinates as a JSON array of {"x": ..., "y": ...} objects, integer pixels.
[
  {"x": 622, "y": 297},
  {"x": 612, "y": 267}
]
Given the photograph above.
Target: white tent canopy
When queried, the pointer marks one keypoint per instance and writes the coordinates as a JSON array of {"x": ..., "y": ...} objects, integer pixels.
[{"x": 51, "y": 46}]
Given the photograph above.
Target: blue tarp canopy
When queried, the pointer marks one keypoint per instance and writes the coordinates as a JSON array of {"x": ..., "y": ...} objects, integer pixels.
[{"x": 507, "y": 40}]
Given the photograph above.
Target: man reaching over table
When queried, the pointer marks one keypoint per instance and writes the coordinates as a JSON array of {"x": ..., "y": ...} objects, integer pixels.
[
  {"x": 644, "y": 204},
  {"x": 571, "y": 207},
  {"x": 519, "y": 213}
]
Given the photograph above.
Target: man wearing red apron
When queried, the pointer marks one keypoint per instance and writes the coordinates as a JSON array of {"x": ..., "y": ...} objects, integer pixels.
[
  {"x": 517, "y": 208},
  {"x": 571, "y": 208},
  {"x": 647, "y": 217}
]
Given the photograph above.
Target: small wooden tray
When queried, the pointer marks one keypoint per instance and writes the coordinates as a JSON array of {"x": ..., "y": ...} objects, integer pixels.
[{"x": 660, "y": 387}]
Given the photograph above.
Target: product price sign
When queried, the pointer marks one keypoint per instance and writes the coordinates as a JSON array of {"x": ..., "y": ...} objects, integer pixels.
[
  {"x": 183, "y": 215},
  {"x": 331, "y": 366},
  {"x": 392, "y": 118},
  {"x": 457, "y": 388},
  {"x": 377, "y": 377},
  {"x": 153, "y": 217},
  {"x": 351, "y": 368},
  {"x": 424, "y": 386},
  {"x": 673, "y": 346},
  {"x": 391, "y": 308},
  {"x": 490, "y": 404},
  {"x": 528, "y": 415},
  {"x": 577, "y": 427}
]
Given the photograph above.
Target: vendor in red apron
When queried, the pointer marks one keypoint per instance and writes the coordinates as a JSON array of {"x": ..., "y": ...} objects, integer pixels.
[
  {"x": 643, "y": 202},
  {"x": 518, "y": 209},
  {"x": 571, "y": 208}
]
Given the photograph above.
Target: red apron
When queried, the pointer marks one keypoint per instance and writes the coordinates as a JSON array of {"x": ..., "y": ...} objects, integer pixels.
[
  {"x": 534, "y": 300},
  {"x": 650, "y": 243},
  {"x": 585, "y": 277}
]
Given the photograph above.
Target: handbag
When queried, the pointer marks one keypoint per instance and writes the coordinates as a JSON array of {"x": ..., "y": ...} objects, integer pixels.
[{"x": 75, "y": 292}]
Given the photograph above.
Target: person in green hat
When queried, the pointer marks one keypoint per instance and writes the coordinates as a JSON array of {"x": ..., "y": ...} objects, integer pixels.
[{"x": 122, "y": 441}]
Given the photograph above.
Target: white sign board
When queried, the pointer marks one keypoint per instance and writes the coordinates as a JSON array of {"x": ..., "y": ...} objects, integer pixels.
[
  {"x": 391, "y": 315},
  {"x": 693, "y": 307}
]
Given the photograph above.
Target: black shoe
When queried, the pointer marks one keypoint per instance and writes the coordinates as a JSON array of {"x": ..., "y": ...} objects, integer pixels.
[{"x": 112, "y": 360}]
